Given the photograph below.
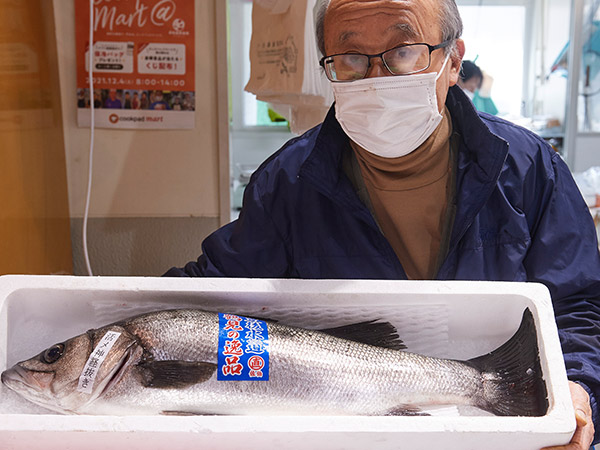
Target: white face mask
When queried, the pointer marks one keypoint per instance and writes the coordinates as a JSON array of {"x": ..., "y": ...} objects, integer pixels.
[{"x": 389, "y": 116}]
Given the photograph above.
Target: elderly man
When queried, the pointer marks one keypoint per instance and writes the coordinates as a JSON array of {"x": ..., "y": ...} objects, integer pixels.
[{"x": 404, "y": 179}]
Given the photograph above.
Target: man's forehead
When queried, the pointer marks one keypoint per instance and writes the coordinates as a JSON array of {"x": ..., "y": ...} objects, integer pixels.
[
  {"x": 348, "y": 6},
  {"x": 409, "y": 17},
  {"x": 406, "y": 30}
]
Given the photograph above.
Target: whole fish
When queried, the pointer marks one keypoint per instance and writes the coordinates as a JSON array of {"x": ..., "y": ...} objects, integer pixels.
[{"x": 168, "y": 362}]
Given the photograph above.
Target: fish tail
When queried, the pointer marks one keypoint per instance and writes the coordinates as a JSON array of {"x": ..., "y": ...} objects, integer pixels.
[{"x": 512, "y": 376}]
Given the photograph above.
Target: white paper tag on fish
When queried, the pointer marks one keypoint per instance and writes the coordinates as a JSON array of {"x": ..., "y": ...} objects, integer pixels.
[{"x": 97, "y": 357}]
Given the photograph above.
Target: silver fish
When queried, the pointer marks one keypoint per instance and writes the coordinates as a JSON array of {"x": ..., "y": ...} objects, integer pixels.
[{"x": 167, "y": 362}]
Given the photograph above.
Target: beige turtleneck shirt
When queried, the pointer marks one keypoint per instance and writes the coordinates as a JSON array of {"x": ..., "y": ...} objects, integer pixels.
[{"x": 409, "y": 196}]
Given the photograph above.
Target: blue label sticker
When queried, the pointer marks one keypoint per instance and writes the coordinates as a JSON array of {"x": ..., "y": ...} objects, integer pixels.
[{"x": 243, "y": 348}]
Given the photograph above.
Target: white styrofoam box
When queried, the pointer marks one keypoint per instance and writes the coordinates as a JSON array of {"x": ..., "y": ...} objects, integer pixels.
[{"x": 447, "y": 319}]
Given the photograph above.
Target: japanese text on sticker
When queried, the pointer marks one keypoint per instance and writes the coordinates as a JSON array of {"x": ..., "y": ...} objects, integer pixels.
[
  {"x": 97, "y": 357},
  {"x": 241, "y": 340}
]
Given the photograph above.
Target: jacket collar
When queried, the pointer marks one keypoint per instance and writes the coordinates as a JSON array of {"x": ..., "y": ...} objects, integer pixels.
[
  {"x": 481, "y": 156},
  {"x": 323, "y": 164},
  {"x": 480, "y": 146}
]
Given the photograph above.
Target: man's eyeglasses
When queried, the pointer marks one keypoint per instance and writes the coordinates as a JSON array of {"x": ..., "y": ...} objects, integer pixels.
[{"x": 402, "y": 60}]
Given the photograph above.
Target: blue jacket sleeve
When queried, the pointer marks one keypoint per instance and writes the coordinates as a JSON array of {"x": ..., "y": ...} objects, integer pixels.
[
  {"x": 248, "y": 247},
  {"x": 564, "y": 256}
]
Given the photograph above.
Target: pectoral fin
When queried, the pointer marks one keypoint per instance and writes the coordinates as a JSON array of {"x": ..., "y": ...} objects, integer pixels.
[{"x": 174, "y": 374}]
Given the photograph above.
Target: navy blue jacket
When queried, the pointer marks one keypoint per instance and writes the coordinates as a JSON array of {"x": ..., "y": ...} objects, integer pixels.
[{"x": 519, "y": 217}]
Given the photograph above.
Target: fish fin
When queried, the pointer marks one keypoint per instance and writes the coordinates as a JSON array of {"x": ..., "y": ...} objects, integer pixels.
[
  {"x": 186, "y": 413},
  {"x": 372, "y": 332},
  {"x": 406, "y": 410},
  {"x": 513, "y": 383},
  {"x": 174, "y": 374},
  {"x": 379, "y": 334},
  {"x": 178, "y": 413}
]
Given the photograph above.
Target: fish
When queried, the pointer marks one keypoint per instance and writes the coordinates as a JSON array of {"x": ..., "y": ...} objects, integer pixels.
[{"x": 168, "y": 362}]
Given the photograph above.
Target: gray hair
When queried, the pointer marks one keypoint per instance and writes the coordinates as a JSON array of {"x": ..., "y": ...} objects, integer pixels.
[{"x": 450, "y": 23}]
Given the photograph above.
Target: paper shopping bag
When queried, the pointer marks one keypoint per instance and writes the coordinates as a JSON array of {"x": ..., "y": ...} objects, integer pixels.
[{"x": 277, "y": 49}]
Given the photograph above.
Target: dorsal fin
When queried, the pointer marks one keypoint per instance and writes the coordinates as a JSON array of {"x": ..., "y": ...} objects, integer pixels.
[{"x": 372, "y": 332}]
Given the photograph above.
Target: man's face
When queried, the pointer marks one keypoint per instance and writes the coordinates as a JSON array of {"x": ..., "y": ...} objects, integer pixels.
[{"x": 373, "y": 26}]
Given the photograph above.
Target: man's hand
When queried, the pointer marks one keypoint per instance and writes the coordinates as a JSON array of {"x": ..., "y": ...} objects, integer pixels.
[{"x": 584, "y": 433}]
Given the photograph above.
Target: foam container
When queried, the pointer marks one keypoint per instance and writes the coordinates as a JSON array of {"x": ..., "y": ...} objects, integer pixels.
[{"x": 446, "y": 319}]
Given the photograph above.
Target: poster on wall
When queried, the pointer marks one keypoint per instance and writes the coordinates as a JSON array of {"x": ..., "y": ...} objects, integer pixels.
[{"x": 143, "y": 64}]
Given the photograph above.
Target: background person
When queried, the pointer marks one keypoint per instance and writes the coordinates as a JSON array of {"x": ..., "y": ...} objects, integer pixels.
[
  {"x": 158, "y": 101},
  {"x": 477, "y": 86},
  {"x": 112, "y": 101},
  {"x": 127, "y": 103},
  {"x": 81, "y": 103},
  {"x": 135, "y": 101},
  {"x": 176, "y": 104},
  {"x": 144, "y": 102},
  {"x": 97, "y": 99},
  {"x": 189, "y": 103}
]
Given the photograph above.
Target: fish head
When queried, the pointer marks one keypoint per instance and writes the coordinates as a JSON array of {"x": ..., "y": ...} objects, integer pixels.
[{"x": 53, "y": 378}]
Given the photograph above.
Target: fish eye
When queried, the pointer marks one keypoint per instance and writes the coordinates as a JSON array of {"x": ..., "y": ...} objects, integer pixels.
[{"x": 53, "y": 354}]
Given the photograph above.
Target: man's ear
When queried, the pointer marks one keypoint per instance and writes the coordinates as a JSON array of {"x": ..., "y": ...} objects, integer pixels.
[{"x": 456, "y": 58}]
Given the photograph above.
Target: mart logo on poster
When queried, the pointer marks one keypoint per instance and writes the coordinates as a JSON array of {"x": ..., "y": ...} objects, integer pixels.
[{"x": 110, "y": 15}]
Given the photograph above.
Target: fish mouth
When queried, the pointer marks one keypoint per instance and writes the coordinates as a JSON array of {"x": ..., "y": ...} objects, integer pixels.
[
  {"x": 20, "y": 381},
  {"x": 11, "y": 376},
  {"x": 17, "y": 375}
]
